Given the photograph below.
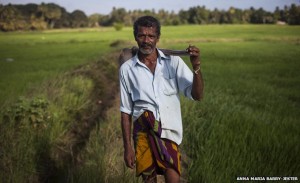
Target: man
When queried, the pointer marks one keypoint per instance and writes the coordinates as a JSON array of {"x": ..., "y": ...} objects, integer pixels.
[{"x": 150, "y": 83}]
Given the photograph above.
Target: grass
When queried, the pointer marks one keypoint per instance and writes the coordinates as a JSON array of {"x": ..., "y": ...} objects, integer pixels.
[
  {"x": 27, "y": 59},
  {"x": 58, "y": 81},
  {"x": 248, "y": 122}
]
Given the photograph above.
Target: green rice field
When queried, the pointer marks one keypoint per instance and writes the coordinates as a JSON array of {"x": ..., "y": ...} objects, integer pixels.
[{"x": 247, "y": 125}]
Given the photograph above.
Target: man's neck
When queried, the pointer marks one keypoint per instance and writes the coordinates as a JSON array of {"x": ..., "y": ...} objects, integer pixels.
[{"x": 146, "y": 58}]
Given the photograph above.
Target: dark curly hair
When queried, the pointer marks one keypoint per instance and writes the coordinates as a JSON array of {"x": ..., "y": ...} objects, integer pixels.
[{"x": 146, "y": 21}]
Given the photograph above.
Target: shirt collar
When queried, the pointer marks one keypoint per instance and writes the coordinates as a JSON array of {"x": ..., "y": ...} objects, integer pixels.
[{"x": 161, "y": 56}]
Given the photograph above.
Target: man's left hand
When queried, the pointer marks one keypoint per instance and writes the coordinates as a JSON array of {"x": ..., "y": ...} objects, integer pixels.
[{"x": 194, "y": 56}]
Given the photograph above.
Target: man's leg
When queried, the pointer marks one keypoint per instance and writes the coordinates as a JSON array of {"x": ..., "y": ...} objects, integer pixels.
[
  {"x": 150, "y": 178},
  {"x": 171, "y": 176}
]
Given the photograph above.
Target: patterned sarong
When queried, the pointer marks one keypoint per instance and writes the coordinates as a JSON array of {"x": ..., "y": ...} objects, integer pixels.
[{"x": 152, "y": 152}]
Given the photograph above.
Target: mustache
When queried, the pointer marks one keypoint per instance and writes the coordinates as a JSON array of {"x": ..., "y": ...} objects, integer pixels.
[{"x": 146, "y": 44}]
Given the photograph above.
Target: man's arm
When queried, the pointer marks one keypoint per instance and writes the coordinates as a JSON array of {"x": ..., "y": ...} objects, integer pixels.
[
  {"x": 129, "y": 156},
  {"x": 198, "y": 84}
]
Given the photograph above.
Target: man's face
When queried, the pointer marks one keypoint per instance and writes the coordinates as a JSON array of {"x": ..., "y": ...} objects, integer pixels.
[{"x": 146, "y": 39}]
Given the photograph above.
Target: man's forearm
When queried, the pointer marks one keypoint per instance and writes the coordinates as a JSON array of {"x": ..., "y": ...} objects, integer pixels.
[
  {"x": 198, "y": 85},
  {"x": 126, "y": 129},
  {"x": 129, "y": 156}
]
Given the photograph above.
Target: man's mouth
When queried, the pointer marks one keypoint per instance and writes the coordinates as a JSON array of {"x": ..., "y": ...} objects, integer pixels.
[{"x": 146, "y": 46}]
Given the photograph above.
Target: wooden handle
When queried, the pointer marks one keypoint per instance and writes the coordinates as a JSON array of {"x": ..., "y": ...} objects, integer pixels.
[{"x": 174, "y": 52}]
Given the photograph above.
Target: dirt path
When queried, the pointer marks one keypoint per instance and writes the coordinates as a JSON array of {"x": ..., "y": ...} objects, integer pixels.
[{"x": 65, "y": 153}]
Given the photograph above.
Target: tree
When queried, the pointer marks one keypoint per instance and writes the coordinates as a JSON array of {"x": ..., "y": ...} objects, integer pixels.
[
  {"x": 64, "y": 21},
  {"x": 235, "y": 15},
  {"x": 43, "y": 16},
  {"x": 276, "y": 14},
  {"x": 51, "y": 13},
  {"x": 11, "y": 19},
  {"x": 224, "y": 18},
  {"x": 27, "y": 10},
  {"x": 117, "y": 15},
  {"x": 78, "y": 19},
  {"x": 37, "y": 23},
  {"x": 294, "y": 15},
  {"x": 214, "y": 16},
  {"x": 257, "y": 16},
  {"x": 94, "y": 20},
  {"x": 183, "y": 16},
  {"x": 198, "y": 15}
]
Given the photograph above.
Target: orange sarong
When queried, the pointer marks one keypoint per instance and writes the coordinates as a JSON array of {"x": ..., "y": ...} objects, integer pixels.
[{"x": 152, "y": 152}]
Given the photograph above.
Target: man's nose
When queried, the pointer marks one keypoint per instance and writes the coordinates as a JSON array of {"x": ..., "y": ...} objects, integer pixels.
[{"x": 147, "y": 39}]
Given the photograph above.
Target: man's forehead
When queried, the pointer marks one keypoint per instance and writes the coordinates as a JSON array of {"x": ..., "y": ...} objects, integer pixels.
[{"x": 146, "y": 28}]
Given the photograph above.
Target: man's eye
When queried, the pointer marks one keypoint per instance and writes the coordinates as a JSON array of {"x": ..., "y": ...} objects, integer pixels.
[{"x": 144, "y": 36}]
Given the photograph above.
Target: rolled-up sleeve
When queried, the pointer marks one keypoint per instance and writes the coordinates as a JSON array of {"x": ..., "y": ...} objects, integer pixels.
[
  {"x": 184, "y": 78},
  {"x": 125, "y": 96}
]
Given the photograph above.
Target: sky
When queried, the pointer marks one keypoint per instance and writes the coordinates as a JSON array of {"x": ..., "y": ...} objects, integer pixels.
[{"x": 105, "y": 6}]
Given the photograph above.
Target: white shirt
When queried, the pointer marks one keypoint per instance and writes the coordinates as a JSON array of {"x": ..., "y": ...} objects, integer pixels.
[{"x": 142, "y": 90}]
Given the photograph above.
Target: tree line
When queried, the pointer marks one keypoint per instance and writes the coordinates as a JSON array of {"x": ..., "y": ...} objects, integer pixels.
[{"x": 50, "y": 16}]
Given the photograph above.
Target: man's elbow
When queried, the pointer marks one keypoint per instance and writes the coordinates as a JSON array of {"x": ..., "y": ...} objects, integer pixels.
[{"x": 198, "y": 97}]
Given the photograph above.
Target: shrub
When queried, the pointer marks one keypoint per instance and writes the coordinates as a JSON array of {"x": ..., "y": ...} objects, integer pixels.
[{"x": 118, "y": 26}]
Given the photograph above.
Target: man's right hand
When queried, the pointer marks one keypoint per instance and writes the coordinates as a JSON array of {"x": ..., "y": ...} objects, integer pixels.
[{"x": 129, "y": 157}]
